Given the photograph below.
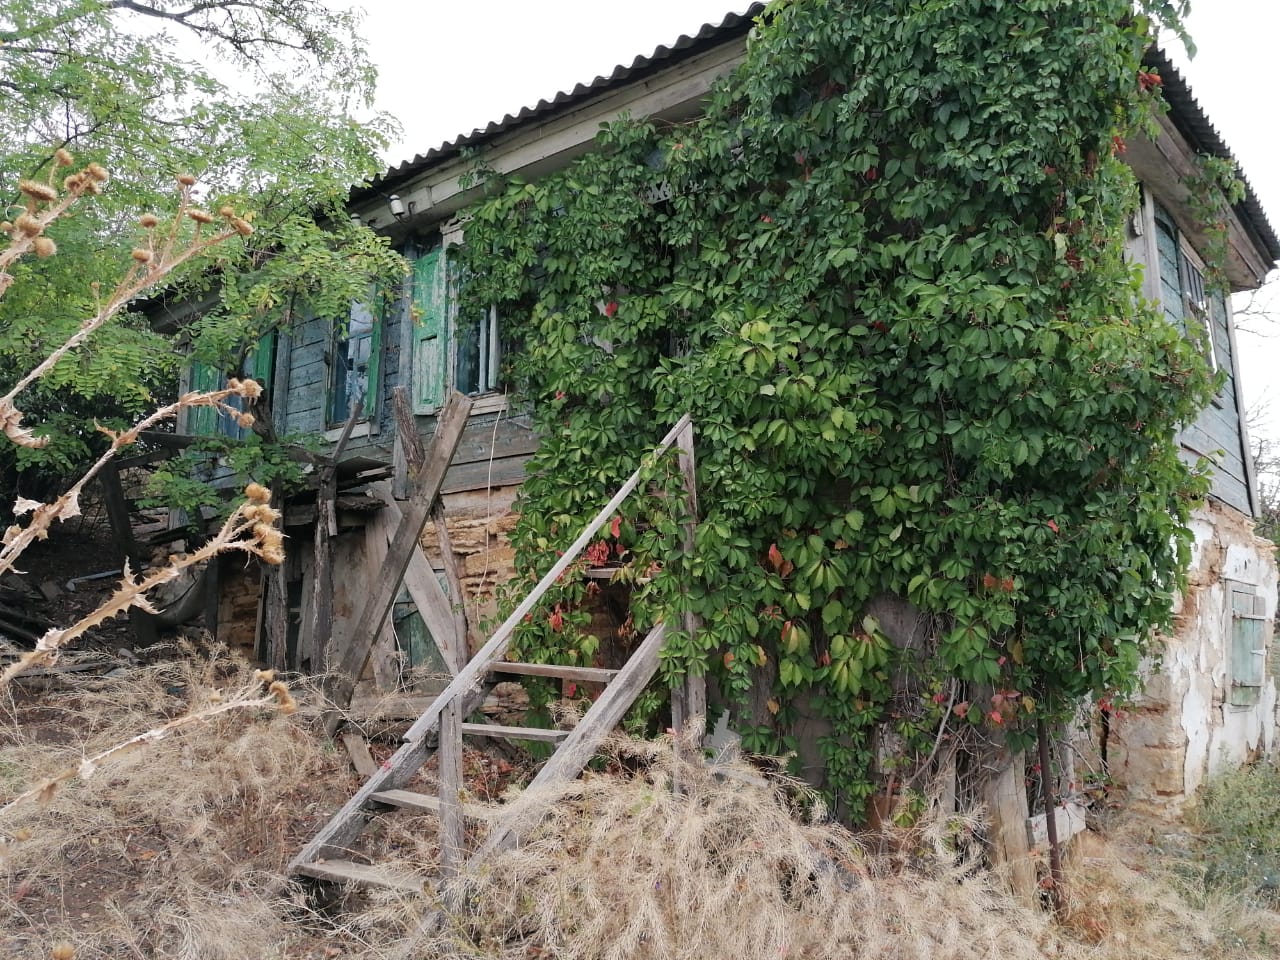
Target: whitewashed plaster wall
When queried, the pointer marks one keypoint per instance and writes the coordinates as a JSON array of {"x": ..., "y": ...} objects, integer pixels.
[{"x": 1183, "y": 728}]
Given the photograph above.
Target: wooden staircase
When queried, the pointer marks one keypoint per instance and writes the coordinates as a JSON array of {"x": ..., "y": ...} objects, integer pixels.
[{"x": 439, "y": 732}]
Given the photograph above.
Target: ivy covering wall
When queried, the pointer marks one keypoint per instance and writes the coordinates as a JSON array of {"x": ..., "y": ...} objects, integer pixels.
[{"x": 884, "y": 273}]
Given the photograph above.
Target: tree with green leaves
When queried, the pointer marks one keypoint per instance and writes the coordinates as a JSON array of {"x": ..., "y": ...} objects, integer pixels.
[
  {"x": 259, "y": 100},
  {"x": 885, "y": 274}
]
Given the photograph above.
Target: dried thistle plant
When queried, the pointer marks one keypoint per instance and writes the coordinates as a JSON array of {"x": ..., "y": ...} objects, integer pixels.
[
  {"x": 262, "y": 692},
  {"x": 250, "y": 528},
  {"x": 160, "y": 252}
]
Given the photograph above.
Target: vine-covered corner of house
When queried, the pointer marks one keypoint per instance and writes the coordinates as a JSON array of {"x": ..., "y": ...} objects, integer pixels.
[{"x": 885, "y": 275}]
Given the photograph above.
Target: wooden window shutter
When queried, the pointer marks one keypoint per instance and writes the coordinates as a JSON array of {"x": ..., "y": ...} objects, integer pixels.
[
  {"x": 1248, "y": 646},
  {"x": 203, "y": 421},
  {"x": 430, "y": 323},
  {"x": 262, "y": 362}
]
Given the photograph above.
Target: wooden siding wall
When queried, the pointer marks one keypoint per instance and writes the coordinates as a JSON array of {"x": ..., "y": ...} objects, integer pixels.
[
  {"x": 1216, "y": 433},
  {"x": 495, "y": 445}
]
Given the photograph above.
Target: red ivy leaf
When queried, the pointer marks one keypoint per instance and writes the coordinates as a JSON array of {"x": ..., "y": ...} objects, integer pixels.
[
  {"x": 615, "y": 527},
  {"x": 611, "y": 308},
  {"x": 1051, "y": 525}
]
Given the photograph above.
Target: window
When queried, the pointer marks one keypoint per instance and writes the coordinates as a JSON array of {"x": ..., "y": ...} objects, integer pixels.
[
  {"x": 354, "y": 364},
  {"x": 1182, "y": 289},
  {"x": 450, "y": 350},
  {"x": 1248, "y": 645},
  {"x": 477, "y": 353},
  {"x": 214, "y": 422}
]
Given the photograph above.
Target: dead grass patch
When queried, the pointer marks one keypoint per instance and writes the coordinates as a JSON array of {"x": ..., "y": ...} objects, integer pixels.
[
  {"x": 178, "y": 851},
  {"x": 172, "y": 850}
]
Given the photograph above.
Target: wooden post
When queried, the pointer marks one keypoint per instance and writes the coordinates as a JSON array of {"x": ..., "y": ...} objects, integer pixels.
[
  {"x": 448, "y": 434},
  {"x": 1005, "y": 796},
  {"x": 407, "y": 452},
  {"x": 326, "y": 528},
  {"x": 689, "y": 700},
  {"x": 461, "y": 648}
]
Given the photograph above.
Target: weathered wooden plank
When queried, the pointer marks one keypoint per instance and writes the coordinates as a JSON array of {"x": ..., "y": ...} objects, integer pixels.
[
  {"x": 362, "y": 874},
  {"x": 383, "y": 654},
  {"x": 452, "y": 825},
  {"x": 326, "y": 527},
  {"x": 477, "y": 476},
  {"x": 425, "y": 803},
  {"x": 359, "y": 753},
  {"x": 580, "y": 746},
  {"x": 117, "y": 512},
  {"x": 1005, "y": 797},
  {"x": 1070, "y": 819},
  {"x": 689, "y": 700},
  {"x": 457, "y": 607},
  {"x": 485, "y": 440},
  {"x": 558, "y": 671},
  {"x": 540, "y": 734},
  {"x": 403, "y": 545},
  {"x": 470, "y": 677}
]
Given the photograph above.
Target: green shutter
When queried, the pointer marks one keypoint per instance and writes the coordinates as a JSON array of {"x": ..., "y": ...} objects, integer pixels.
[
  {"x": 203, "y": 421},
  {"x": 1248, "y": 646},
  {"x": 430, "y": 316},
  {"x": 261, "y": 363}
]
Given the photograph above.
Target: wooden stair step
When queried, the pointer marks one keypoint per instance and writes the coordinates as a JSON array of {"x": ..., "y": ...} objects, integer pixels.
[
  {"x": 409, "y": 800},
  {"x": 561, "y": 671},
  {"x": 513, "y": 733},
  {"x": 362, "y": 874}
]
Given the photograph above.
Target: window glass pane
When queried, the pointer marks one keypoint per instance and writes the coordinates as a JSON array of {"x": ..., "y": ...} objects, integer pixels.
[{"x": 352, "y": 356}]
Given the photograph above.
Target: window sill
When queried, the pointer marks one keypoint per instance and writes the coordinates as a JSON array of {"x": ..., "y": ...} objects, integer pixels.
[{"x": 361, "y": 429}]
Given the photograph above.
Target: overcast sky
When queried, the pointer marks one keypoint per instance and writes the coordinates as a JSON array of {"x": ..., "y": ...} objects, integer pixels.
[{"x": 446, "y": 69}]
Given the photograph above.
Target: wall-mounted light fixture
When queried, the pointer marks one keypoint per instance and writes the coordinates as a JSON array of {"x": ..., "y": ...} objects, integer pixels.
[{"x": 396, "y": 206}]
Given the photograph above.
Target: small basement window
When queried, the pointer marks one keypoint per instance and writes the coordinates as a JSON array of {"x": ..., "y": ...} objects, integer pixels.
[{"x": 1248, "y": 646}]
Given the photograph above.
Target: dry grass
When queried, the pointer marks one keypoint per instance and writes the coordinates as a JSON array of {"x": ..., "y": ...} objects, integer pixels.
[
  {"x": 177, "y": 852},
  {"x": 170, "y": 851},
  {"x": 625, "y": 868},
  {"x": 1136, "y": 905}
]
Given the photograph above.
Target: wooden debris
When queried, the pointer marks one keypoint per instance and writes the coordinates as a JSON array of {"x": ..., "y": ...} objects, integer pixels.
[{"x": 359, "y": 753}]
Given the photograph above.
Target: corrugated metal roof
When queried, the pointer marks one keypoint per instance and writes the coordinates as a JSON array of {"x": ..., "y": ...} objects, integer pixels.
[
  {"x": 1186, "y": 113},
  {"x": 708, "y": 36},
  {"x": 1202, "y": 136}
]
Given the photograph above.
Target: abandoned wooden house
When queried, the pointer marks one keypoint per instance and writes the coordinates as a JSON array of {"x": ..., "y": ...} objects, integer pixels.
[{"x": 371, "y": 385}]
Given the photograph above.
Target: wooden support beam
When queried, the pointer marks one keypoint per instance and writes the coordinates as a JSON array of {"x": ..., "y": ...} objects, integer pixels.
[
  {"x": 325, "y": 529},
  {"x": 424, "y": 588},
  {"x": 453, "y": 828},
  {"x": 689, "y": 699},
  {"x": 118, "y": 512},
  {"x": 387, "y": 583},
  {"x": 1005, "y": 796},
  {"x": 458, "y": 608}
]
